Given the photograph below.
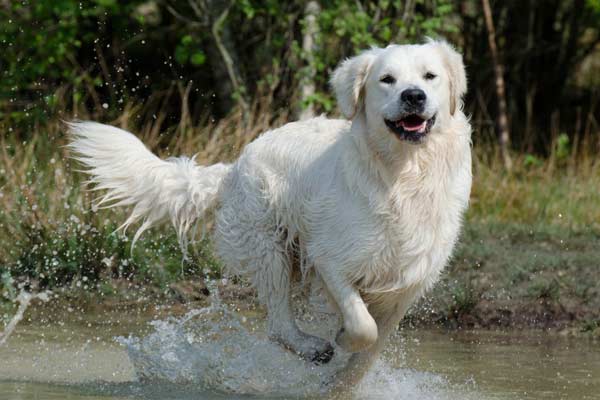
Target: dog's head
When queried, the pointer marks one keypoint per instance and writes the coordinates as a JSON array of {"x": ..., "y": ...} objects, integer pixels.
[{"x": 403, "y": 92}]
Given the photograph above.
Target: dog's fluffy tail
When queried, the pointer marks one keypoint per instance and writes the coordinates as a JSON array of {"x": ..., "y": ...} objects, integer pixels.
[{"x": 118, "y": 162}]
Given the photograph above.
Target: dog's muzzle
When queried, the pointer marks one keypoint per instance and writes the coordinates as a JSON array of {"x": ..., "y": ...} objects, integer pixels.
[{"x": 411, "y": 127}]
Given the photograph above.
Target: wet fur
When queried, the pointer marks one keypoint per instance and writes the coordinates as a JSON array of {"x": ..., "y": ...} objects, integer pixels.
[{"x": 374, "y": 217}]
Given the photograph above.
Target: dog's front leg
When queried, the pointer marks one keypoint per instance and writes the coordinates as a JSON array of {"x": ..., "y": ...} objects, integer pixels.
[
  {"x": 359, "y": 330},
  {"x": 360, "y": 363},
  {"x": 388, "y": 310}
]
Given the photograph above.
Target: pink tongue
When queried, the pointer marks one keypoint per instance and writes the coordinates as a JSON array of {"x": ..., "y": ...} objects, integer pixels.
[{"x": 411, "y": 126}]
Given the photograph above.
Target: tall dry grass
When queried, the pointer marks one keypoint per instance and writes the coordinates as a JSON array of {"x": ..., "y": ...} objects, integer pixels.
[{"x": 562, "y": 190}]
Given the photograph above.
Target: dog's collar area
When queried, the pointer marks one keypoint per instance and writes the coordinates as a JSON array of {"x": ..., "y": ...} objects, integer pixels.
[{"x": 412, "y": 127}]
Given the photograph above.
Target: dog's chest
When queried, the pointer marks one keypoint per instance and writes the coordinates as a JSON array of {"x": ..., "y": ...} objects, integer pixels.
[{"x": 418, "y": 225}]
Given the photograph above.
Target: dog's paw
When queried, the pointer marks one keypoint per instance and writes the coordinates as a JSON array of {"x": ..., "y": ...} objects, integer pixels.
[
  {"x": 323, "y": 356},
  {"x": 311, "y": 348},
  {"x": 314, "y": 349}
]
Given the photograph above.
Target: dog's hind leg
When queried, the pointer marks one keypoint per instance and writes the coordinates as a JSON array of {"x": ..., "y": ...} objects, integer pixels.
[
  {"x": 251, "y": 243},
  {"x": 273, "y": 282}
]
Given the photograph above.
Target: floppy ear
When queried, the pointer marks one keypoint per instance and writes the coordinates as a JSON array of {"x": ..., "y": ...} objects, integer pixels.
[
  {"x": 349, "y": 79},
  {"x": 456, "y": 73}
]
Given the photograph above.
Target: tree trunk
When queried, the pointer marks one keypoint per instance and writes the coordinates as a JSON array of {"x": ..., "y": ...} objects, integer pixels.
[
  {"x": 224, "y": 42},
  {"x": 222, "y": 54},
  {"x": 307, "y": 83},
  {"x": 503, "y": 129}
]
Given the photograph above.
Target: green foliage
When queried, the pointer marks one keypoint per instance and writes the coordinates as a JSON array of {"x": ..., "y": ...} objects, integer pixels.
[
  {"x": 562, "y": 147},
  {"x": 51, "y": 236},
  {"x": 62, "y": 55},
  {"x": 383, "y": 22},
  {"x": 68, "y": 54},
  {"x": 594, "y": 6},
  {"x": 323, "y": 100},
  {"x": 590, "y": 325},
  {"x": 531, "y": 160},
  {"x": 42, "y": 44},
  {"x": 188, "y": 50},
  {"x": 91, "y": 254},
  {"x": 349, "y": 27},
  {"x": 464, "y": 299}
]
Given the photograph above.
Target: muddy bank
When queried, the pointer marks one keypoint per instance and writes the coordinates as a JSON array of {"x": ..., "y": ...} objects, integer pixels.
[
  {"x": 518, "y": 276},
  {"x": 140, "y": 306}
]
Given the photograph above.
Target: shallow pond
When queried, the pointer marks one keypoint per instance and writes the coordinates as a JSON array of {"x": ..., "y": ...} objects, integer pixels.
[{"x": 81, "y": 359}]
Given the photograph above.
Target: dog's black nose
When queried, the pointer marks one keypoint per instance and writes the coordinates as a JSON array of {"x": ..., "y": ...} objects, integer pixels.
[{"x": 413, "y": 97}]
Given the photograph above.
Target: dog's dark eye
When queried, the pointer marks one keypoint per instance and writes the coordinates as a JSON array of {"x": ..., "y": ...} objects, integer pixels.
[
  {"x": 388, "y": 79},
  {"x": 430, "y": 75}
]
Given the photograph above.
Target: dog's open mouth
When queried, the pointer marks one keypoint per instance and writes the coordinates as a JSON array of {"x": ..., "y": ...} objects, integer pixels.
[{"x": 412, "y": 127}]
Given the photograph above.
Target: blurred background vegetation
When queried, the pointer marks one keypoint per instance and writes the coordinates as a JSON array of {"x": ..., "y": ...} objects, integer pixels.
[{"x": 207, "y": 76}]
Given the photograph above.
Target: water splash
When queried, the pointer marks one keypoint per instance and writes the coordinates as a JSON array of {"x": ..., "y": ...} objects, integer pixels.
[
  {"x": 219, "y": 350},
  {"x": 387, "y": 382}
]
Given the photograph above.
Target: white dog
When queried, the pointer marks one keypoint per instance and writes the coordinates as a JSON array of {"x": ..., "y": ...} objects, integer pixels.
[{"x": 372, "y": 205}]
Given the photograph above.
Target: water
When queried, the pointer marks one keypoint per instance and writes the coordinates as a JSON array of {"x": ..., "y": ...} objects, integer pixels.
[{"x": 213, "y": 353}]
